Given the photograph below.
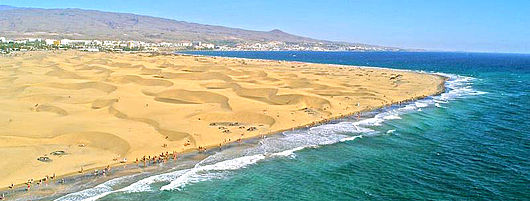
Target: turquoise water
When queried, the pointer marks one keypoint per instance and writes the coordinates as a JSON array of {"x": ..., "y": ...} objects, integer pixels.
[{"x": 470, "y": 143}]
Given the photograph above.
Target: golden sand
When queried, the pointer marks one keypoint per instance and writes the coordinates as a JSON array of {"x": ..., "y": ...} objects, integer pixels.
[{"x": 103, "y": 107}]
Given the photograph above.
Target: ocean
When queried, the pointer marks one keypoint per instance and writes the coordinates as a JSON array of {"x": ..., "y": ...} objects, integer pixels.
[{"x": 470, "y": 143}]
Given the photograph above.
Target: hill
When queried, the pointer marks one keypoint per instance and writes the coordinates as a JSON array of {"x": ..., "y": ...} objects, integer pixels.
[{"x": 92, "y": 24}]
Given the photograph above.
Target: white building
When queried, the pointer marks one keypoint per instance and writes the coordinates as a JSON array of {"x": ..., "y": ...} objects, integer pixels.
[
  {"x": 133, "y": 44},
  {"x": 3, "y": 39},
  {"x": 166, "y": 44},
  {"x": 34, "y": 39},
  {"x": 49, "y": 41},
  {"x": 208, "y": 45},
  {"x": 65, "y": 42},
  {"x": 110, "y": 43},
  {"x": 80, "y": 42},
  {"x": 185, "y": 44},
  {"x": 97, "y": 42}
]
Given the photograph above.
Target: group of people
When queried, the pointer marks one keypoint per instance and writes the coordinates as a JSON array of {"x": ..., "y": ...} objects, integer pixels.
[
  {"x": 147, "y": 160},
  {"x": 162, "y": 158},
  {"x": 201, "y": 148},
  {"x": 44, "y": 180},
  {"x": 103, "y": 172}
]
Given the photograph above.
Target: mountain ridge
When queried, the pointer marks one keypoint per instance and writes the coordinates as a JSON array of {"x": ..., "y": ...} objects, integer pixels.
[{"x": 75, "y": 23}]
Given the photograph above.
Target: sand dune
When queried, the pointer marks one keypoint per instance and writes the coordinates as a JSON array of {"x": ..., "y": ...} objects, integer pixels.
[
  {"x": 107, "y": 88},
  {"x": 197, "y": 76},
  {"x": 101, "y": 103},
  {"x": 181, "y": 96},
  {"x": 97, "y": 107},
  {"x": 150, "y": 71},
  {"x": 223, "y": 85},
  {"x": 61, "y": 73},
  {"x": 140, "y": 81},
  {"x": 97, "y": 140},
  {"x": 51, "y": 108}
]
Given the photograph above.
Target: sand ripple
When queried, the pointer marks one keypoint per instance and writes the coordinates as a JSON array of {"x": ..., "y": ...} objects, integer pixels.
[{"x": 102, "y": 107}]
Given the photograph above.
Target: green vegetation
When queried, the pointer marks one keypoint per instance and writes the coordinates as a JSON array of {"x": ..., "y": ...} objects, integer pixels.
[{"x": 11, "y": 46}]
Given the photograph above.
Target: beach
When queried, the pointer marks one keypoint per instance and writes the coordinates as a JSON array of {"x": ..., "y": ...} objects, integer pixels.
[{"x": 79, "y": 111}]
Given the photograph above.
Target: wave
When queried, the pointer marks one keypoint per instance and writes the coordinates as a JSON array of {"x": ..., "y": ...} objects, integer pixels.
[
  {"x": 456, "y": 87},
  {"x": 284, "y": 145},
  {"x": 207, "y": 172},
  {"x": 101, "y": 189},
  {"x": 350, "y": 138}
]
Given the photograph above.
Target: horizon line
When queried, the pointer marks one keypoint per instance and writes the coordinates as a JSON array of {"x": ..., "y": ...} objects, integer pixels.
[{"x": 405, "y": 49}]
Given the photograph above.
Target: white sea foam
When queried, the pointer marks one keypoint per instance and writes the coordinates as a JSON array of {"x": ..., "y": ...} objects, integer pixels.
[
  {"x": 350, "y": 138},
  {"x": 394, "y": 116},
  {"x": 289, "y": 152},
  {"x": 457, "y": 87},
  {"x": 101, "y": 189},
  {"x": 222, "y": 163},
  {"x": 439, "y": 105},
  {"x": 144, "y": 184},
  {"x": 421, "y": 104},
  {"x": 106, "y": 188},
  {"x": 321, "y": 135},
  {"x": 207, "y": 172}
]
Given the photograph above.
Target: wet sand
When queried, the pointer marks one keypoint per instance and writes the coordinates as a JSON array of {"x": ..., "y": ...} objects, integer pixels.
[{"x": 97, "y": 109}]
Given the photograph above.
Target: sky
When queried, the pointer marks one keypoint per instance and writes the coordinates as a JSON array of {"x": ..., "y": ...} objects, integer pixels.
[{"x": 445, "y": 25}]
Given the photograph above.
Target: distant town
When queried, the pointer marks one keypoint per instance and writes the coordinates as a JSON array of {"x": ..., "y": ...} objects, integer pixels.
[{"x": 34, "y": 44}]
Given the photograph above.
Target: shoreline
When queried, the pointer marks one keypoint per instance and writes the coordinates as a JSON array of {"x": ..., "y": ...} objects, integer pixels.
[
  {"x": 129, "y": 170},
  {"x": 137, "y": 168},
  {"x": 440, "y": 89}
]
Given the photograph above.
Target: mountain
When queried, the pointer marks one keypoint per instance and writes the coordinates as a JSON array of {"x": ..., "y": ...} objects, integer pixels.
[
  {"x": 3, "y": 7},
  {"x": 92, "y": 24}
]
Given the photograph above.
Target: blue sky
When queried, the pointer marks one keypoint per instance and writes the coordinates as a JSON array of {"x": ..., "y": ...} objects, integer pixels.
[{"x": 447, "y": 25}]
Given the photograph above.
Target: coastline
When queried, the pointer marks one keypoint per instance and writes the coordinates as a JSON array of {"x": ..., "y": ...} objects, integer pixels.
[
  {"x": 439, "y": 89},
  {"x": 132, "y": 168}
]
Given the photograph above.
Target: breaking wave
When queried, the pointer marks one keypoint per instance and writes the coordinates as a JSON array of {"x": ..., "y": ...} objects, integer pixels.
[{"x": 284, "y": 145}]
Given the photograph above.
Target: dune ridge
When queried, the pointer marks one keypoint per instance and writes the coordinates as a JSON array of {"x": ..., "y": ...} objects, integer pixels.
[{"x": 102, "y": 107}]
